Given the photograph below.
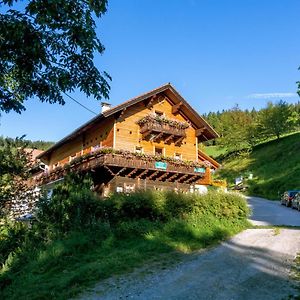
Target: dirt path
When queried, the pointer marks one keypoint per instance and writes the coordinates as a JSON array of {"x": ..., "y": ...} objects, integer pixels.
[{"x": 255, "y": 264}]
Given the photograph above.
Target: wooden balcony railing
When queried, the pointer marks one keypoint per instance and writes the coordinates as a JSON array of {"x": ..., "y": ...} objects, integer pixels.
[
  {"x": 162, "y": 128},
  {"x": 120, "y": 161}
]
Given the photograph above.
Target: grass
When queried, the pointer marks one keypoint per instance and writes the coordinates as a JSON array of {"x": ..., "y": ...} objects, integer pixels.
[
  {"x": 215, "y": 151},
  {"x": 296, "y": 272},
  {"x": 65, "y": 267},
  {"x": 275, "y": 166}
]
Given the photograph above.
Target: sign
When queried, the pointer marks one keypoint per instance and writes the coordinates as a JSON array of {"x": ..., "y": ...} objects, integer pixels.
[
  {"x": 161, "y": 165},
  {"x": 199, "y": 170},
  {"x": 238, "y": 180}
]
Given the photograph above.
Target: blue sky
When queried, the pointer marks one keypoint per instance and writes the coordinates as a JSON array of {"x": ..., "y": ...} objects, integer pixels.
[{"x": 217, "y": 53}]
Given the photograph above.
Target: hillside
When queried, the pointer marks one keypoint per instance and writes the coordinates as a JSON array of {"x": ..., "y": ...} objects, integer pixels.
[{"x": 275, "y": 166}]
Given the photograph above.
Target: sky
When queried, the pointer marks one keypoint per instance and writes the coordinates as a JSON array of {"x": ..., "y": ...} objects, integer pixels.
[{"x": 216, "y": 53}]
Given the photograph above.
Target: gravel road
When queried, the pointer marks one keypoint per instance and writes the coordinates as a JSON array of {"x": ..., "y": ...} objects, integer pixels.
[{"x": 254, "y": 264}]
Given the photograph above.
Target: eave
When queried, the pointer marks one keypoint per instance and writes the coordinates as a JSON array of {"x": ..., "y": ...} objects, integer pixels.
[{"x": 180, "y": 105}]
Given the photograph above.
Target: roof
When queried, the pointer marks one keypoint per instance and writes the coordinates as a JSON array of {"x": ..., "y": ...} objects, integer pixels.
[
  {"x": 34, "y": 153},
  {"x": 172, "y": 95},
  {"x": 203, "y": 156}
]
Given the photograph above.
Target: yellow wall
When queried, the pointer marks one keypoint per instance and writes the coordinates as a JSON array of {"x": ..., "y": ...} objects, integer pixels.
[
  {"x": 99, "y": 134},
  {"x": 128, "y": 134}
]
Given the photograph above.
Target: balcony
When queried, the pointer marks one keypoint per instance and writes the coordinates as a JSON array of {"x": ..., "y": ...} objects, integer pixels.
[
  {"x": 110, "y": 163},
  {"x": 157, "y": 128}
]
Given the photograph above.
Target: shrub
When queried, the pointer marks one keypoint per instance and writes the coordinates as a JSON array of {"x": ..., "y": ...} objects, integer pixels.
[
  {"x": 73, "y": 206},
  {"x": 12, "y": 237}
]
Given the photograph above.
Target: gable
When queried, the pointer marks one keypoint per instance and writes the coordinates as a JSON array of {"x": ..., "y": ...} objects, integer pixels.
[{"x": 166, "y": 95}]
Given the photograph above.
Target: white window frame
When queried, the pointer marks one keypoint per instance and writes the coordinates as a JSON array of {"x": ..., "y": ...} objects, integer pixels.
[
  {"x": 176, "y": 154},
  {"x": 141, "y": 151}
]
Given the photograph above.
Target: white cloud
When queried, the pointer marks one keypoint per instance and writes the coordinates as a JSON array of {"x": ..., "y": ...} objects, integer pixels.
[{"x": 272, "y": 95}]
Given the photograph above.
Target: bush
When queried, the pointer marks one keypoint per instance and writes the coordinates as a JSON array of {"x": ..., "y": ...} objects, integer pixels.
[
  {"x": 78, "y": 238},
  {"x": 73, "y": 206},
  {"x": 12, "y": 237}
]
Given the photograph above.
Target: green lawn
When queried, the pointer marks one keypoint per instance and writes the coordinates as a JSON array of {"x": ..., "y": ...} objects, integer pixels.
[
  {"x": 275, "y": 166},
  {"x": 64, "y": 267}
]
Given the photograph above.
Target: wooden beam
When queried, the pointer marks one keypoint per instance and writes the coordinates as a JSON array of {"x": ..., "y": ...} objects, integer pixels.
[
  {"x": 154, "y": 136},
  {"x": 182, "y": 177},
  {"x": 143, "y": 173},
  {"x": 121, "y": 171},
  {"x": 109, "y": 170},
  {"x": 172, "y": 177},
  {"x": 132, "y": 172},
  {"x": 121, "y": 113},
  {"x": 153, "y": 175},
  {"x": 158, "y": 136},
  {"x": 163, "y": 176},
  {"x": 145, "y": 134},
  {"x": 205, "y": 137},
  {"x": 168, "y": 138},
  {"x": 175, "y": 108},
  {"x": 149, "y": 102},
  {"x": 190, "y": 180},
  {"x": 199, "y": 131},
  {"x": 179, "y": 140}
]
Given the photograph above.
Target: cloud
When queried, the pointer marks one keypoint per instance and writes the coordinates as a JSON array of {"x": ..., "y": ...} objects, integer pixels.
[{"x": 272, "y": 95}]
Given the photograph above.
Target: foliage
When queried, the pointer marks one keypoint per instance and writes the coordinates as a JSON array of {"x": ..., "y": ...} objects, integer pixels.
[
  {"x": 275, "y": 166},
  {"x": 41, "y": 145},
  {"x": 72, "y": 206},
  {"x": 153, "y": 118},
  {"x": 123, "y": 232},
  {"x": 241, "y": 130},
  {"x": 276, "y": 119},
  {"x": 12, "y": 237},
  {"x": 47, "y": 49},
  {"x": 14, "y": 165}
]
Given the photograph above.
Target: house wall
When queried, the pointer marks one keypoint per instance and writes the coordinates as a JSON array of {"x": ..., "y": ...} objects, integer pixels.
[
  {"x": 128, "y": 134},
  {"x": 100, "y": 134}
]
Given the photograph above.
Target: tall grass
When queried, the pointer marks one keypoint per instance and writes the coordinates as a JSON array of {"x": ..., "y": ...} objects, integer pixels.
[{"x": 128, "y": 232}]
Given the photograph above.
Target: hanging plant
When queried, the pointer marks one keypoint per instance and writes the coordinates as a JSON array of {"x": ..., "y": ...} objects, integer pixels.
[{"x": 151, "y": 118}]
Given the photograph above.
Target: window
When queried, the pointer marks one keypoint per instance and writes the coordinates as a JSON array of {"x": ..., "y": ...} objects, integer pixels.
[
  {"x": 177, "y": 156},
  {"x": 158, "y": 151},
  {"x": 129, "y": 188},
  {"x": 159, "y": 113},
  {"x": 119, "y": 189},
  {"x": 139, "y": 149}
]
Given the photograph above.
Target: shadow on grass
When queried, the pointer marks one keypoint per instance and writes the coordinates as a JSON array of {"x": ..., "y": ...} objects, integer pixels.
[
  {"x": 66, "y": 267},
  {"x": 234, "y": 270}
]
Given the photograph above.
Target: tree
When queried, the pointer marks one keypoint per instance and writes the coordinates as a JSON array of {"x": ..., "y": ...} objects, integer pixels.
[
  {"x": 47, "y": 49},
  {"x": 15, "y": 162},
  {"x": 275, "y": 119},
  {"x": 235, "y": 125}
]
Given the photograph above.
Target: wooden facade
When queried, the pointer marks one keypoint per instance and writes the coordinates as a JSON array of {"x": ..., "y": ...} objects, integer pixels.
[{"x": 150, "y": 141}]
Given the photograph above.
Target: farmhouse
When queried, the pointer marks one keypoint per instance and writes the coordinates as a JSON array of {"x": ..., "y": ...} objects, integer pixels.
[{"x": 150, "y": 141}]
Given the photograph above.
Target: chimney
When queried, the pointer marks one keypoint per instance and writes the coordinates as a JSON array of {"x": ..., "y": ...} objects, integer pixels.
[{"x": 105, "y": 106}]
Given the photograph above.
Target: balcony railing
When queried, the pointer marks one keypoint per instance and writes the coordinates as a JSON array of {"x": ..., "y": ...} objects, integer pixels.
[
  {"x": 129, "y": 161},
  {"x": 162, "y": 128}
]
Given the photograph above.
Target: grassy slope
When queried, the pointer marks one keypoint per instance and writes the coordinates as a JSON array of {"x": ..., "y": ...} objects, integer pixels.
[
  {"x": 65, "y": 267},
  {"x": 275, "y": 166}
]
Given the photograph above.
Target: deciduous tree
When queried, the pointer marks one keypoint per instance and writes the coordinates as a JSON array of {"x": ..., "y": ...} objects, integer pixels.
[
  {"x": 275, "y": 119},
  {"x": 47, "y": 48}
]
